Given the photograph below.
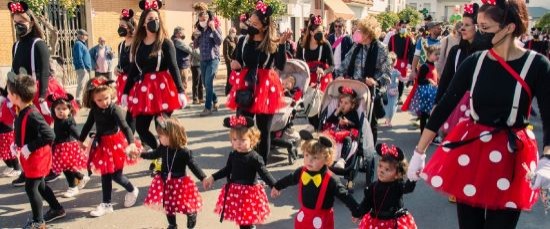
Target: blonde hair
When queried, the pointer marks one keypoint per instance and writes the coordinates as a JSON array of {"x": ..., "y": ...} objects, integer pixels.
[
  {"x": 89, "y": 91},
  {"x": 292, "y": 79},
  {"x": 432, "y": 49},
  {"x": 314, "y": 147},
  {"x": 243, "y": 132},
  {"x": 392, "y": 57},
  {"x": 175, "y": 131},
  {"x": 370, "y": 27}
]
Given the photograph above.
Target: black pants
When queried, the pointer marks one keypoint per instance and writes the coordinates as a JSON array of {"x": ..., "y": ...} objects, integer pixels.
[
  {"x": 479, "y": 218},
  {"x": 143, "y": 122},
  {"x": 36, "y": 189},
  {"x": 374, "y": 129},
  {"x": 71, "y": 176},
  {"x": 131, "y": 121},
  {"x": 246, "y": 226},
  {"x": 423, "y": 120},
  {"x": 107, "y": 184},
  {"x": 13, "y": 163},
  {"x": 400, "y": 88},
  {"x": 191, "y": 220},
  {"x": 227, "y": 85},
  {"x": 314, "y": 121},
  {"x": 263, "y": 122},
  {"x": 198, "y": 86}
]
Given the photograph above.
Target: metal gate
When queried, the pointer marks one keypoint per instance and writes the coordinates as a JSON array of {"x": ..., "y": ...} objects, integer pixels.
[{"x": 60, "y": 33}]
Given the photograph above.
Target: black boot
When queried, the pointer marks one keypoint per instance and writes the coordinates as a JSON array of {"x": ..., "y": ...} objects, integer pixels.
[{"x": 191, "y": 220}]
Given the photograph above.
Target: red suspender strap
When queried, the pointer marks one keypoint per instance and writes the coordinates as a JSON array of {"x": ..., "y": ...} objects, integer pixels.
[
  {"x": 392, "y": 43},
  {"x": 512, "y": 72},
  {"x": 323, "y": 191},
  {"x": 24, "y": 126}
]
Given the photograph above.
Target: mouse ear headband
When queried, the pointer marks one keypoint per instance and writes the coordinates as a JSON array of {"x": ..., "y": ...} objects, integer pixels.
[
  {"x": 150, "y": 4},
  {"x": 263, "y": 11},
  {"x": 324, "y": 141},
  {"x": 390, "y": 150},
  {"x": 238, "y": 122},
  {"x": 18, "y": 7},
  {"x": 126, "y": 14},
  {"x": 55, "y": 97}
]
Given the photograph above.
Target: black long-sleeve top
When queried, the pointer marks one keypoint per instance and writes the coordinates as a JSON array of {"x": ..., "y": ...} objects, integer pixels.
[
  {"x": 494, "y": 91},
  {"x": 124, "y": 57},
  {"x": 384, "y": 198},
  {"x": 242, "y": 169},
  {"x": 399, "y": 49},
  {"x": 177, "y": 160},
  {"x": 5, "y": 128},
  {"x": 108, "y": 121},
  {"x": 252, "y": 57},
  {"x": 22, "y": 59},
  {"x": 65, "y": 130},
  {"x": 37, "y": 131},
  {"x": 310, "y": 192},
  {"x": 538, "y": 46},
  {"x": 148, "y": 64},
  {"x": 423, "y": 73},
  {"x": 313, "y": 55},
  {"x": 351, "y": 116}
]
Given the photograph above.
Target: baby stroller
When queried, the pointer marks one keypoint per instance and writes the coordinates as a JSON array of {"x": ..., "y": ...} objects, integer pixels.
[
  {"x": 362, "y": 149},
  {"x": 282, "y": 121}
]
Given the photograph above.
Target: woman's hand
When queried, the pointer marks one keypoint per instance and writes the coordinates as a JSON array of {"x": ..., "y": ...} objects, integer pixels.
[
  {"x": 275, "y": 193},
  {"x": 320, "y": 71},
  {"x": 285, "y": 36},
  {"x": 235, "y": 65},
  {"x": 416, "y": 165},
  {"x": 208, "y": 182},
  {"x": 370, "y": 82}
]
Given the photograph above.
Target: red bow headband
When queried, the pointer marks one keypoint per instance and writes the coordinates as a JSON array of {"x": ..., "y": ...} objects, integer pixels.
[
  {"x": 469, "y": 8},
  {"x": 18, "y": 7},
  {"x": 347, "y": 90},
  {"x": 243, "y": 17},
  {"x": 98, "y": 81},
  {"x": 489, "y": 2},
  {"x": 261, "y": 6},
  {"x": 235, "y": 121},
  {"x": 389, "y": 150},
  {"x": 151, "y": 5},
  {"x": 126, "y": 14},
  {"x": 54, "y": 97},
  {"x": 317, "y": 20}
]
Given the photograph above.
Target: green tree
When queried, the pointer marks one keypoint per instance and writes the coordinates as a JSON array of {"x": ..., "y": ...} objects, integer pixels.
[
  {"x": 234, "y": 8},
  {"x": 544, "y": 22},
  {"x": 410, "y": 14},
  {"x": 69, "y": 5},
  {"x": 387, "y": 19}
]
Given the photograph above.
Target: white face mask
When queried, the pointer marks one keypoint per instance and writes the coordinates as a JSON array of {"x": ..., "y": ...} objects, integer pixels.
[
  {"x": 403, "y": 31},
  {"x": 202, "y": 24}
]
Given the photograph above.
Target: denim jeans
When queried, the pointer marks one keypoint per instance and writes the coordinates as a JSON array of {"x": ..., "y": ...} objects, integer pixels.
[{"x": 209, "y": 68}]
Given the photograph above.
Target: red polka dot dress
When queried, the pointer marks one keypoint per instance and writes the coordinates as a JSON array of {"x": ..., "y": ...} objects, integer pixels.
[
  {"x": 67, "y": 154},
  {"x": 7, "y": 117}
]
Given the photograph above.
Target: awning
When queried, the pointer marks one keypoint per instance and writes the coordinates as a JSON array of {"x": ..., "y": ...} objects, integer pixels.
[{"x": 340, "y": 9}]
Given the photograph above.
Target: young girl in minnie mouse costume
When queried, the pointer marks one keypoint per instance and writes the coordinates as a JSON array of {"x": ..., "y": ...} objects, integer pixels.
[
  {"x": 154, "y": 84},
  {"x": 382, "y": 206},
  {"x": 68, "y": 158},
  {"x": 242, "y": 199},
  {"x": 7, "y": 116},
  {"x": 126, "y": 28},
  {"x": 172, "y": 190},
  {"x": 114, "y": 139},
  {"x": 33, "y": 138},
  {"x": 257, "y": 91},
  {"x": 317, "y": 186}
]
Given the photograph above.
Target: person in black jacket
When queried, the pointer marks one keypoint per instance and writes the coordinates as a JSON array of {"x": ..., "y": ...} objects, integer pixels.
[
  {"x": 340, "y": 42},
  {"x": 402, "y": 44}
]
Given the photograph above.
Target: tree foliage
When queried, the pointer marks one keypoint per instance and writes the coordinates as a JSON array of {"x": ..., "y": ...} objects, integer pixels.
[
  {"x": 69, "y": 5},
  {"x": 544, "y": 22},
  {"x": 234, "y": 8},
  {"x": 387, "y": 19},
  {"x": 412, "y": 15}
]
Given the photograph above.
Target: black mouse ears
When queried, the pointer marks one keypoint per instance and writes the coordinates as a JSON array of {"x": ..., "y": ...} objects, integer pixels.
[
  {"x": 150, "y": 4},
  {"x": 390, "y": 150},
  {"x": 54, "y": 97},
  {"x": 325, "y": 141},
  {"x": 238, "y": 122},
  {"x": 126, "y": 14}
]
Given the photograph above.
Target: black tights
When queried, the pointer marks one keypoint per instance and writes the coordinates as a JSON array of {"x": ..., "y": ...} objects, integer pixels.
[
  {"x": 400, "y": 88},
  {"x": 191, "y": 220},
  {"x": 13, "y": 163},
  {"x": 143, "y": 122},
  {"x": 479, "y": 218},
  {"x": 423, "y": 120},
  {"x": 246, "y": 226},
  {"x": 36, "y": 189},
  {"x": 263, "y": 122},
  {"x": 131, "y": 121},
  {"x": 71, "y": 176},
  {"x": 107, "y": 184}
]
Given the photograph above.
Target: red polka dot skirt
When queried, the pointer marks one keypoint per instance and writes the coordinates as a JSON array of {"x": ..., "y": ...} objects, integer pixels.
[
  {"x": 156, "y": 93},
  {"x": 6, "y": 139},
  {"x": 340, "y": 135},
  {"x": 404, "y": 222},
  {"x": 55, "y": 88},
  {"x": 325, "y": 79},
  {"x": 487, "y": 172},
  {"x": 109, "y": 155},
  {"x": 268, "y": 94},
  {"x": 459, "y": 114},
  {"x": 245, "y": 204},
  {"x": 177, "y": 195},
  {"x": 68, "y": 156},
  {"x": 7, "y": 113},
  {"x": 120, "y": 84}
]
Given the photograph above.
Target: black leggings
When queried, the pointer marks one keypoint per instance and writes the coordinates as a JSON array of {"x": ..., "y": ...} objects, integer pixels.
[
  {"x": 131, "y": 122},
  {"x": 263, "y": 122},
  {"x": 479, "y": 218},
  {"x": 400, "y": 88},
  {"x": 423, "y": 120},
  {"x": 107, "y": 184},
  {"x": 36, "y": 189},
  {"x": 71, "y": 176},
  {"x": 143, "y": 122},
  {"x": 191, "y": 220},
  {"x": 246, "y": 226},
  {"x": 13, "y": 163}
]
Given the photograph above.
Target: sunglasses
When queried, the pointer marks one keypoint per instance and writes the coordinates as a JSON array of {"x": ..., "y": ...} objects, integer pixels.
[{"x": 338, "y": 26}]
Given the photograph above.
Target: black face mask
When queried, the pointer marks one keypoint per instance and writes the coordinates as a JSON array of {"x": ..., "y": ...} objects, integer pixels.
[
  {"x": 21, "y": 29},
  {"x": 122, "y": 32},
  {"x": 252, "y": 31},
  {"x": 318, "y": 36},
  {"x": 153, "y": 26},
  {"x": 486, "y": 40},
  {"x": 536, "y": 37},
  {"x": 244, "y": 31}
]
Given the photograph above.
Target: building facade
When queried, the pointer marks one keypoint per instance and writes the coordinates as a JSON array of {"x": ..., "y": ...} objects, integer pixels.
[{"x": 441, "y": 10}]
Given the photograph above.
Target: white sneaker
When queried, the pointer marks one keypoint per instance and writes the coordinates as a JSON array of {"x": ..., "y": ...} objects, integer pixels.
[
  {"x": 6, "y": 171},
  {"x": 102, "y": 209},
  {"x": 83, "y": 182},
  {"x": 131, "y": 197},
  {"x": 71, "y": 192},
  {"x": 13, "y": 173}
]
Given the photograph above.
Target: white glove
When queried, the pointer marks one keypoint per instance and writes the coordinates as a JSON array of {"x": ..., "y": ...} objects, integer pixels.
[
  {"x": 44, "y": 108},
  {"x": 2, "y": 99},
  {"x": 183, "y": 100},
  {"x": 25, "y": 152},
  {"x": 13, "y": 149},
  {"x": 542, "y": 174},
  {"x": 416, "y": 165},
  {"x": 124, "y": 101}
]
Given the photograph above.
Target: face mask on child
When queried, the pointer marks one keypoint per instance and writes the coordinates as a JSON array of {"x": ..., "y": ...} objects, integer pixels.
[{"x": 357, "y": 37}]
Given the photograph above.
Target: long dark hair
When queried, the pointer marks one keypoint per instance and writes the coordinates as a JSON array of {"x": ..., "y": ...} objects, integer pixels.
[
  {"x": 36, "y": 30},
  {"x": 142, "y": 33}
]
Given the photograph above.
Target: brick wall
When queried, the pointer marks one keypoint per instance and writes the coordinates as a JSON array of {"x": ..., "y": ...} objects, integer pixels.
[{"x": 6, "y": 30}]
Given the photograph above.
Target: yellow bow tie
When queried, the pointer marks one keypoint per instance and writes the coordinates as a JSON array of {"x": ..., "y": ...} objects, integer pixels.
[{"x": 316, "y": 179}]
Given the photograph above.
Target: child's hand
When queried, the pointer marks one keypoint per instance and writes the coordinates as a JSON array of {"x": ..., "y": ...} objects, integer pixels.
[
  {"x": 131, "y": 150},
  {"x": 320, "y": 71},
  {"x": 208, "y": 182},
  {"x": 355, "y": 220},
  {"x": 343, "y": 122},
  {"x": 275, "y": 193}
]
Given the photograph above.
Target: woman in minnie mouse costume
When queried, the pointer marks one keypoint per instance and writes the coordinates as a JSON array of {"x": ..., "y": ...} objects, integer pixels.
[
  {"x": 257, "y": 91},
  {"x": 7, "y": 116},
  {"x": 126, "y": 28},
  {"x": 30, "y": 52},
  {"x": 483, "y": 162},
  {"x": 154, "y": 84}
]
